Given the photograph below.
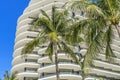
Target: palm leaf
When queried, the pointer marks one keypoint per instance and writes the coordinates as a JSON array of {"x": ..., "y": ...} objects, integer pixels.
[
  {"x": 6, "y": 75},
  {"x": 29, "y": 47},
  {"x": 45, "y": 14},
  {"x": 49, "y": 50},
  {"x": 46, "y": 24},
  {"x": 70, "y": 52},
  {"x": 94, "y": 48},
  {"x": 93, "y": 11},
  {"x": 108, "y": 40}
]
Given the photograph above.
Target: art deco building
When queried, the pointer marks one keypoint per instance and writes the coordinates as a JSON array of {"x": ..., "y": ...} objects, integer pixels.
[{"x": 37, "y": 66}]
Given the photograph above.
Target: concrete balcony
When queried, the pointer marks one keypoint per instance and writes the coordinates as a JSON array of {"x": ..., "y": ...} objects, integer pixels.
[
  {"x": 21, "y": 75},
  {"x": 47, "y": 60},
  {"x": 102, "y": 58},
  {"x": 42, "y": 3},
  {"x": 36, "y": 11},
  {"x": 42, "y": 50},
  {"x": 19, "y": 59},
  {"x": 115, "y": 47},
  {"x": 25, "y": 34},
  {"x": 106, "y": 65},
  {"x": 106, "y": 73},
  {"x": 23, "y": 22},
  {"x": 21, "y": 43},
  {"x": 116, "y": 42},
  {"x": 51, "y": 67},
  {"x": 22, "y": 29},
  {"x": 21, "y": 66},
  {"x": 18, "y": 51},
  {"x": 63, "y": 76}
]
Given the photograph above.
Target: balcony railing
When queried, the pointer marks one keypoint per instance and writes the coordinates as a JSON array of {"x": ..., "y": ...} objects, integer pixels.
[
  {"x": 61, "y": 62},
  {"x": 43, "y": 75}
]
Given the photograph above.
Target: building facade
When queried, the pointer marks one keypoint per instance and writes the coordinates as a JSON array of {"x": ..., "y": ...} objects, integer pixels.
[{"x": 37, "y": 65}]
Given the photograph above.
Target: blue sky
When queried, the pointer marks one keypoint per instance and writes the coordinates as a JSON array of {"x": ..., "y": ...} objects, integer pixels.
[{"x": 10, "y": 10}]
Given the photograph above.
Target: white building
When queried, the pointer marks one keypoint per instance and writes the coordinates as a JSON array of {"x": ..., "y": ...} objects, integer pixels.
[{"x": 38, "y": 66}]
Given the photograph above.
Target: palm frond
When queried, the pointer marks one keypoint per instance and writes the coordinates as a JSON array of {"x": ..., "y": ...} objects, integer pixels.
[
  {"x": 64, "y": 25},
  {"x": 6, "y": 76},
  {"x": 45, "y": 14},
  {"x": 29, "y": 47},
  {"x": 77, "y": 5},
  {"x": 13, "y": 77},
  {"x": 49, "y": 50},
  {"x": 93, "y": 11},
  {"x": 45, "y": 24},
  {"x": 108, "y": 40},
  {"x": 70, "y": 52},
  {"x": 33, "y": 22},
  {"x": 94, "y": 48},
  {"x": 53, "y": 15}
]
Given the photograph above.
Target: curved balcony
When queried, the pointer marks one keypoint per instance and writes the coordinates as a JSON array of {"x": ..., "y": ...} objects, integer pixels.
[
  {"x": 18, "y": 51},
  {"x": 25, "y": 34},
  {"x": 21, "y": 66},
  {"x": 63, "y": 76},
  {"x": 117, "y": 54},
  {"x": 106, "y": 73},
  {"x": 116, "y": 42},
  {"x": 42, "y": 50},
  {"x": 33, "y": 1},
  {"x": 37, "y": 5},
  {"x": 116, "y": 37},
  {"x": 62, "y": 65},
  {"x": 21, "y": 43},
  {"x": 24, "y": 22},
  {"x": 27, "y": 74},
  {"x": 35, "y": 12},
  {"x": 26, "y": 16},
  {"x": 83, "y": 51},
  {"x": 47, "y": 60},
  {"x": 107, "y": 65},
  {"x": 19, "y": 59},
  {"x": 22, "y": 29},
  {"x": 116, "y": 48},
  {"x": 41, "y": 3},
  {"x": 102, "y": 58}
]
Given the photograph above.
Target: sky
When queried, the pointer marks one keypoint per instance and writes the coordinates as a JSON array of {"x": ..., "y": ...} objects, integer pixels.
[{"x": 10, "y": 10}]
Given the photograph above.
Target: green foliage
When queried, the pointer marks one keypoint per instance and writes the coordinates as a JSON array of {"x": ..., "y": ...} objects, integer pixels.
[
  {"x": 54, "y": 30},
  {"x": 101, "y": 17},
  {"x": 8, "y": 76},
  {"x": 96, "y": 29},
  {"x": 29, "y": 47}
]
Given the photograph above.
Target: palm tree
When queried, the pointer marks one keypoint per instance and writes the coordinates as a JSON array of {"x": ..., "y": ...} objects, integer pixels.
[
  {"x": 101, "y": 19},
  {"x": 52, "y": 30},
  {"x": 111, "y": 12},
  {"x": 8, "y": 76}
]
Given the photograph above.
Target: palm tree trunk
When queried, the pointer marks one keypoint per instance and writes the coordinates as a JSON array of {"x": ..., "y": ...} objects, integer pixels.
[
  {"x": 83, "y": 78},
  {"x": 118, "y": 30},
  {"x": 56, "y": 60},
  {"x": 57, "y": 68}
]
